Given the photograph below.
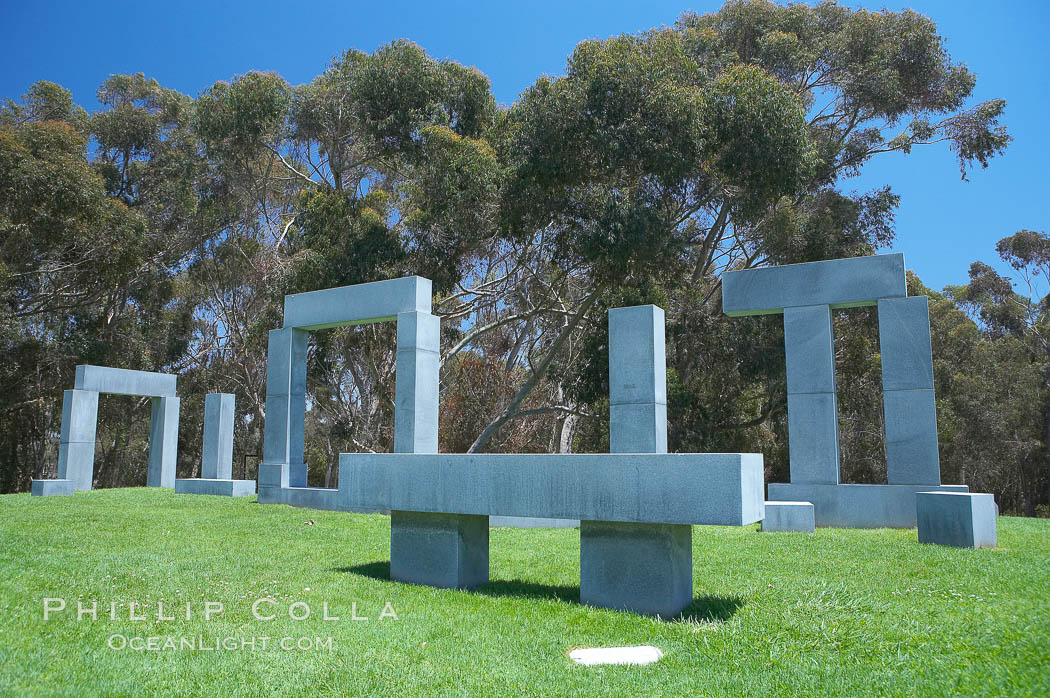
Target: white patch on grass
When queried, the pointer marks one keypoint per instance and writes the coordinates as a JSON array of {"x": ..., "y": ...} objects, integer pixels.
[{"x": 645, "y": 654}]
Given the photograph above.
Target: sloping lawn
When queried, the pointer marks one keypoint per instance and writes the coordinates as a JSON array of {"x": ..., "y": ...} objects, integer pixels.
[{"x": 840, "y": 612}]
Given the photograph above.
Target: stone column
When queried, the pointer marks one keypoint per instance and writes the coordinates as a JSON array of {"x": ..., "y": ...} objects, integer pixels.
[
  {"x": 813, "y": 432},
  {"x": 283, "y": 464},
  {"x": 163, "y": 442},
  {"x": 442, "y": 550},
  {"x": 217, "y": 451},
  {"x": 76, "y": 444},
  {"x": 907, "y": 392},
  {"x": 643, "y": 568}
]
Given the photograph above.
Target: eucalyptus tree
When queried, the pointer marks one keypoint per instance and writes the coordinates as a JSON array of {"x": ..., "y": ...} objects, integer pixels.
[{"x": 660, "y": 160}]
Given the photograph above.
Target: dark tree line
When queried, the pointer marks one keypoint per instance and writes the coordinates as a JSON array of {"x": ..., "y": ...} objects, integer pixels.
[{"x": 161, "y": 232}]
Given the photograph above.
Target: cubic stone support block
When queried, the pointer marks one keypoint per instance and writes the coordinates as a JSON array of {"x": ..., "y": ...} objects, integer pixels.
[
  {"x": 642, "y": 568},
  {"x": 221, "y": 487},
  {"x": 122, "y": 381},
  {"x": 857, "y": 506},
  {"x": 217, "y": 450},
  {"x": 720, "y": 489},
  {"x": 51, "y": 488},
  {"x": 789, "y": 517},
  {"x": 416, "y": 383},
  {"x": 809, "y": 348},
  {"x": 358, "y": 304},
  {"x": 79, "y": 416},
  {"x": 904, "y": 343},
  {"x": 911, "y": 437},
  {"x": 813, "y": 438},
  {"x": 840, "y": 283},
  {"x": 163, "y": 442},
  {"x": 76, "y": 463},
  {"x": 448, "y": 551},
  {"x": 958, "y": 519}
]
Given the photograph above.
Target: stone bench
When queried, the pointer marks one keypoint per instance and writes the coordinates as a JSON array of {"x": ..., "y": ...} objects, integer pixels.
[{"x": 636, "y": 511}]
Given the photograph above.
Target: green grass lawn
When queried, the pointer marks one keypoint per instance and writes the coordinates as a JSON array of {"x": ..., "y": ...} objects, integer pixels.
[{"x": 840, "y": 612}]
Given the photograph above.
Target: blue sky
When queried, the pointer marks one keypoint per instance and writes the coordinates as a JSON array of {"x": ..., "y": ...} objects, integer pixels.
[{"x": 943, "y": 224}]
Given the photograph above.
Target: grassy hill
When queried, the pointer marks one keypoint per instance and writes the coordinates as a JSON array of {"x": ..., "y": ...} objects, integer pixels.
[{"x": 839, "y": 612}]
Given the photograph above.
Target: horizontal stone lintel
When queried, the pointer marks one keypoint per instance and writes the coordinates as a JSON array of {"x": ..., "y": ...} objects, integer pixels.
[
  {"x": 721, "y": 489},
  {"x": 124, "y": 381},
  {"x": 379, "y": 301},
  {"x": 839, "y": 283}
]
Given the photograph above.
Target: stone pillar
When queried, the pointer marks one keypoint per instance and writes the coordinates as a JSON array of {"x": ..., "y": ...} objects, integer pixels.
[
  {"x": 217, "y": 451},
  {"x": 163, "y": 442},
  {"x": 416, "y": 383},
  {"x": 813, "y": 433},
  {"x": 76, "y": 444},
  {"x": 283, "y": 464},
  {"x": 643, "y": 568},
  {"x": 442, "y": 550},
  {"x": 637, "y": 380},
  {"x": 907, "y": 392}
]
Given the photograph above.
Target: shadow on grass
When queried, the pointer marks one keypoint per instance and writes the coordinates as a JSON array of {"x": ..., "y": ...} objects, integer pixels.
[{"x": 703, "y": 609}]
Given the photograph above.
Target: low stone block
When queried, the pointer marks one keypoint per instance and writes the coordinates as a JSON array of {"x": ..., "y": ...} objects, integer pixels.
[
  {"x": 642, "y": 568},
  {"x": 222, "y": 488},
  {"x": 449, "y": 551},
  {"x": 789, "y": 517},
  {"x": 958, "y": 519},
  {"x": 857, "y": 506},
  {"x": 50, "y": 488}
]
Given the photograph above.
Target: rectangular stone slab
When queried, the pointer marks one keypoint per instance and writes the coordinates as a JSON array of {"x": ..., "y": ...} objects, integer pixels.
[
  {"x": 354, "y": 305},
  {"x": 51, "y": 488},
  {"x": 721, "y": 489},
  {"x": 858, "y": 506},
  {"x": 122, "y": 381},
  {"x": 840, "y": 283}
]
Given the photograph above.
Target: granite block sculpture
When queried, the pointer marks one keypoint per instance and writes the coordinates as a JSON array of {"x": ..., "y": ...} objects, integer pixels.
[
  {"x": 637, "y": 505},
  {"x": 76, "y": 446},
  {"x": 217, "y": 453},
  {"x": 806, "y": 294}
]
